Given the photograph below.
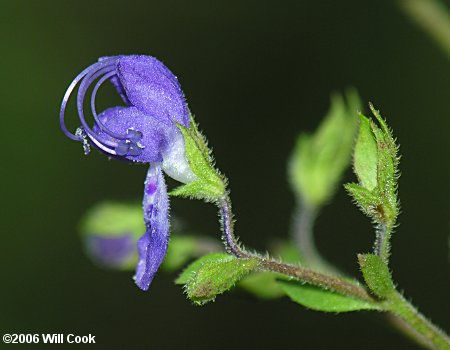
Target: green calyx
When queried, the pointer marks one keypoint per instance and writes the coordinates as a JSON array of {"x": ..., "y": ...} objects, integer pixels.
[
  {"x": 210, "y": 184},
  {"x": 214, "y": 274},
  {"x": 375, "y": 163}
]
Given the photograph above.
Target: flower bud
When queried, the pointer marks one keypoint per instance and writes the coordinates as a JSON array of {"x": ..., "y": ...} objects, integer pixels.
[{"x": 110, "y": 231}]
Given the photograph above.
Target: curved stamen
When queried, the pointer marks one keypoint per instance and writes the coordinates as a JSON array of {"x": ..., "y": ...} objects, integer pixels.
[
  {"x": 94, "y": 112},
  {"x": 69, "y": 91},
  {"x": 127, "y": 143},
  {"x": 64, "y": 104},
  {"x": 103, "y": 147},
  {"x": 126, "y": 146},
  {"x": 87, "y": 81}
]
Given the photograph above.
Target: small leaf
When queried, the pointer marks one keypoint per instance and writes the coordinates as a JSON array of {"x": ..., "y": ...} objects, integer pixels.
[
  {"x": 185, "y": 247},
  {"x": 376, "y": 274},
  {"x": 198, "y": 190},
  {"x": 190, "y": 271},
  {"x": 262, "y": 284},
  {"x": 366, "y": 155},
  {"x": 319, "y": 299},
  {"x": 367, "y": 201},
  {"x": 210, "y": 185},
  {"x": 216, "y": 276},
  {"x": 288, "y": 252}
]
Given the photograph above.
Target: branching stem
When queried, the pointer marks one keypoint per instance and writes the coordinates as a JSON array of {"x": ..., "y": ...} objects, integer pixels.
[
  {"x": 303, "y": 274},
  {"x": 422, "y": 329}
]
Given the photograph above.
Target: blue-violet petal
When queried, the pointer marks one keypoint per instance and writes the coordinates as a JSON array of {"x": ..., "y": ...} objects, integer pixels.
[
  {"x": 151, "y": 87},
  {"x": 152, "y": 246}
]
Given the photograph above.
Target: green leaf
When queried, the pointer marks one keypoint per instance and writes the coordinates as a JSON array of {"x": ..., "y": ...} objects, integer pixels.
[
  {"x": 189, "y": 272},
  {"x": 367, "y": 201},
  {"x": 319, "y": 160},
  {"x": 376, "y": 274},
  {"x": 210, "y": 185},
  {"x": 198, "y": 190},
  {"x": 319, "y": 299},
  {"x": 287, "y": 251},
  {"x": 262, "y": 284},
  {"x": 365, "y": 159},
  {"x": 112, "y": 219},
  {"x": 214, "y": 276},
  {"x": 185, "y": 247}
]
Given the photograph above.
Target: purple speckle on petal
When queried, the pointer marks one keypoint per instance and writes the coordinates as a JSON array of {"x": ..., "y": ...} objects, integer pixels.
[
  {"x": 151, "y": 188},
  {"x": 152, "y": 246}
]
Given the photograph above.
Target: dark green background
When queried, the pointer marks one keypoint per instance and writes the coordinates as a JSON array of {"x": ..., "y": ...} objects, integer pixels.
[{"x": 255, "y": 73}]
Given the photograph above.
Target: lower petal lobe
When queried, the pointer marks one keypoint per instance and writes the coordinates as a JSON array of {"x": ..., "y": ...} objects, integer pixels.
[
  {"x": 152, "y": 246},
  {"x": 123, "y": 120}
]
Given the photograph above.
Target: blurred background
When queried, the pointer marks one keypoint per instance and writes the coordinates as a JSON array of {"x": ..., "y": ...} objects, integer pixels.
[{"x": 255, "y": 74}]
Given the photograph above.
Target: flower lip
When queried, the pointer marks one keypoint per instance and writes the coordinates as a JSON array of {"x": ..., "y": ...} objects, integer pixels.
[{"x": 151, "y": 87}]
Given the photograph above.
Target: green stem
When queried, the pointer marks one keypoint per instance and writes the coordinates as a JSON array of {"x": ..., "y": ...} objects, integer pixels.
[
  {"x": 421, "y": 327},
  {"x": 382, "y": 242},
  {"x": 303, "y": 225},
  {"x": 304, "y": 218},
  {"x": 317, "y": 279},
  {"x": 433, "y": 17},
  {"x": 266, "y": 263}
]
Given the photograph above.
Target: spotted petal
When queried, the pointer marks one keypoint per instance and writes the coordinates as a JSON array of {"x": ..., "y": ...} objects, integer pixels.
[
  {"x": 152, "y": 246},
  {"x": 151, "y": 87}
]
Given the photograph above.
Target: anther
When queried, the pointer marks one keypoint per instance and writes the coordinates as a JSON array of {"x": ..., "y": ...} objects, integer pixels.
[
  {"x": 134, "y": 150},
  {"x": 122, "y": 148},
  {"x": 134, "y": 135}
]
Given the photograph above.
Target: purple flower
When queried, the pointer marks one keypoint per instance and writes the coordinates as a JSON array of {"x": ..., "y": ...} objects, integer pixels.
[
  {"x": 143, "y": 131},
  {"x": 111, "y": 252}
]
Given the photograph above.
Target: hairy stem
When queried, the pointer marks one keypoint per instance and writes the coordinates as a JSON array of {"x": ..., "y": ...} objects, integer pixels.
[
  {"x": 316, "y": 278},
  {"x": 303, "y": 274},
  {"x": 382, "y": 243},
  {"x": 419, "y": 327},
  {"x": 413, "y": 323},
  {"x": 433, "y": 17}
]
